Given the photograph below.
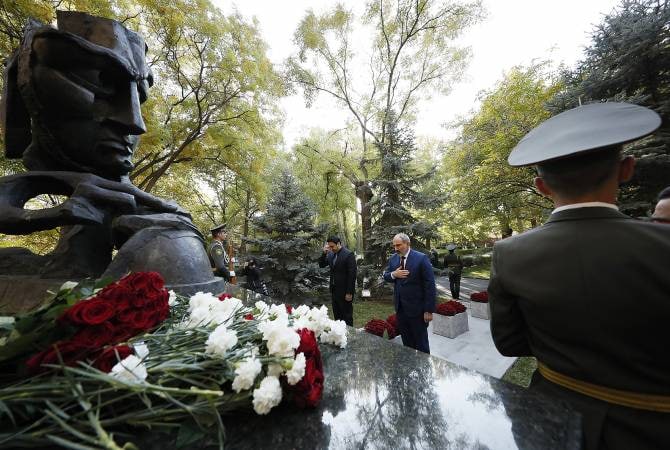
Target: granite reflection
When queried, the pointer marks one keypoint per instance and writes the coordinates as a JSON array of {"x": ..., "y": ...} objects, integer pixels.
[{"x": 380, "y": 395}]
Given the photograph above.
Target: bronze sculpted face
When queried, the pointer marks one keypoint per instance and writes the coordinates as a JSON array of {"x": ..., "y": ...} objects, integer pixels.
[{"x": 83, "y": 85}]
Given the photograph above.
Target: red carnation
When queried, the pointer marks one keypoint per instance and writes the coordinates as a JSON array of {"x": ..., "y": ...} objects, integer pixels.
[
  {"x": 225, "y": 296},
  {"x": 307, "y": 392},
  {"x": 392, "y": 320},
  {"x": 249, "y": 316},
  {"x": 481, "y": 297},
  {"x": 289, "y": 309},
  {"x": 108, "y": 358},
  {"x": 450, "y": 308}
]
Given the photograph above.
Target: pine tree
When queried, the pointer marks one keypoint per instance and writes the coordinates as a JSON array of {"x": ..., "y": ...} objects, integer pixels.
[
  {"x": 629, "y": 60},
  {"x": 287, "y": 251},
  {"x": 398, "y": 192}
]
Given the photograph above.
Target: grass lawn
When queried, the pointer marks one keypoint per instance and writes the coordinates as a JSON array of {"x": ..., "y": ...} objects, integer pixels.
[
  {"x": 369, "y": 309},
  {"x": 521, "y": 371},
  {"x": 483, "y": 271}
]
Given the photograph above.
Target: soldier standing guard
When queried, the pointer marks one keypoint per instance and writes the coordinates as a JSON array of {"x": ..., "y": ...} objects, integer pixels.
[
  {"x": 454, "y": 266},
  {"x": 217, "y": 253}
]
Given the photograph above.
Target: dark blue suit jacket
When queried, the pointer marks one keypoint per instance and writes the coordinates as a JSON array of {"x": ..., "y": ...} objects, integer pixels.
[{"x": 416, "y": 293}]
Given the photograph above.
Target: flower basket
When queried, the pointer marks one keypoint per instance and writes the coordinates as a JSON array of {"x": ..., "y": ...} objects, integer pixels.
[
  {"x": 450, "y": 319},
  {"x": 479, "y": 305},
  {"x": 480, "y": 310}
]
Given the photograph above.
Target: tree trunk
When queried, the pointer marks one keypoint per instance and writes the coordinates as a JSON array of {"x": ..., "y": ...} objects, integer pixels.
[
  {"x": 245, "y": 226},
  {"x": 364, "y": 195}
]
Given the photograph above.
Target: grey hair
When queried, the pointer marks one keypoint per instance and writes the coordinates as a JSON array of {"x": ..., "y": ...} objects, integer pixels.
[{"x": 403, "y": 237}]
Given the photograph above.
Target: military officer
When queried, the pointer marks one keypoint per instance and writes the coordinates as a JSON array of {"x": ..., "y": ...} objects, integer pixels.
[
  {"x": 587, "y": 292},
  {"x": 217, "y": 253},
  {"x": 454, "y": 266}
]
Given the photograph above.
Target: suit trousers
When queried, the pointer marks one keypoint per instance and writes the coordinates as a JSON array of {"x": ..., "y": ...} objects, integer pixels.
[
  {"x": 343, "y": 310},
  {"x": 413, "y": 331},
  {"x": 455, "y": 285}
]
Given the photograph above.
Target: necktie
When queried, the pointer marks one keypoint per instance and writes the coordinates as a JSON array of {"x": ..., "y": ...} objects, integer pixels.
[
  {"x": 335, "y": 259},
  {"x": 402, "y": 263}
]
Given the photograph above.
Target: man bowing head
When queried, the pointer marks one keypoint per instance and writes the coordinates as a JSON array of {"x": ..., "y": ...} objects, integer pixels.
[{"x": 413, "y": 293}]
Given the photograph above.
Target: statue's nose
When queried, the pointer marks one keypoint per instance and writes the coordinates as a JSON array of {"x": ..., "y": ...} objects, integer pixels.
[{"x": 125, "y": 110}]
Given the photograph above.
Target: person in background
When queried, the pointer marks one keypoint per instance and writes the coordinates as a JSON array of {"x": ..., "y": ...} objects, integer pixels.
[
  {"x": 454, "y": 266},
  {"x": 218, "y": 257},
  {"x": 342, "y": 263},
  {"x": 253, "y": 274},
  {"x": 662, "y": 209},
  {"x": 587, "y": 293}
]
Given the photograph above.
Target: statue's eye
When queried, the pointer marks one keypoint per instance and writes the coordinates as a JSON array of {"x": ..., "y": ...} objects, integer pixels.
[{"x": 99, "y": 82}]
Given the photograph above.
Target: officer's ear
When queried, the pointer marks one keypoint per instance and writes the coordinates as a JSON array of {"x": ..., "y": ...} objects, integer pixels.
[
  {"x": 541, "y": 186},
  {"x": 626, "y": 168}
]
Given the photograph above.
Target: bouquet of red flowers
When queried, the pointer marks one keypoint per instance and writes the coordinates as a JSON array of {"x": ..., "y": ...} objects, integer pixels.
[
  {"x": 133, "y": 305},
  {"x": 450, "y": 308},
  {"x": 382, "y": 328},
  {"x": 480, "y": 297}
]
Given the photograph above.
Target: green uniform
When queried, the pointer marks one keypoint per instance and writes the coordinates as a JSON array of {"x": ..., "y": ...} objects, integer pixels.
[{"x": 219, "y": 259}]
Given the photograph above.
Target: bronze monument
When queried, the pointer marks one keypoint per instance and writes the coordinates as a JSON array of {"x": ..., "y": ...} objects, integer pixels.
[{"x": 71, "y": 111}]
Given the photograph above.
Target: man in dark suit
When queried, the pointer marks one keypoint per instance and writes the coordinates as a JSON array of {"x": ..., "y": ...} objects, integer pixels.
[
  {"x": 588, "y": 292},
  {"x": 413, "y": 292},
  {"x": 342, "y": 265}
]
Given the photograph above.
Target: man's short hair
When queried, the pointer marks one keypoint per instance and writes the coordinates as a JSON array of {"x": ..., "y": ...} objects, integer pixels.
[
  {"x": 665, "y": 193},
  {"x": 580, "y": 174},
  {"x": 403, "y": 237},
  {"x": 333, "y": 239}
]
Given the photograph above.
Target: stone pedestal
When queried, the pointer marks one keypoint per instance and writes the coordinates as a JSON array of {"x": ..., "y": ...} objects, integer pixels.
[
  {"x": 450, "y": 326},
  {"x": 480, "y": 310}
]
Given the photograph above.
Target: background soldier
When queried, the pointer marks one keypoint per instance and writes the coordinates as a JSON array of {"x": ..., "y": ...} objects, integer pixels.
[
  {"x": 218, "y": 257},
  {"x": 454, "y": 266}
]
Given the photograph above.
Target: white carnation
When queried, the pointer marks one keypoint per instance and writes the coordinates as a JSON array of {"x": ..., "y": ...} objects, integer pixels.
[
  {"x": 199, "y": 317},
  {"x": 172, "y": 299},
  {"x": 279, "y": 311},
  {"x": 131, "y": 369},
  {"x": 335, "y": 333},
  {"x": 67, "y": 285},
  {"x": 141, "y": 349},
  {"x": 262, "y": 307},
  {"x": 300, "y": 311},
  {"x": 220, "y": 341},
  {"x": 200, "y": 300},
  {"x": 245, "y": 374},
  {"x": 267, "y": 396},
  {"x": 281, "y": 340},
  {"x": 224, "y": 311},
  {"x": 275, "y": 370},
  {"x": 296, "y": 372}
]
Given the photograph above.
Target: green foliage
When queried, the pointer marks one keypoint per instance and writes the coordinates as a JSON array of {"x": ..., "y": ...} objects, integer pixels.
[
  {"x": 326, "y": 168},
  {"x": 485, "y": 194},
  {"x": 397, "y": 194},
  {"x": 287, "y": 249},
  {"x": 629, "y": 60}
]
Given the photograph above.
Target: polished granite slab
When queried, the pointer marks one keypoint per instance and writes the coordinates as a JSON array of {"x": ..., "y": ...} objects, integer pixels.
[{"x": 380, "y": 395}]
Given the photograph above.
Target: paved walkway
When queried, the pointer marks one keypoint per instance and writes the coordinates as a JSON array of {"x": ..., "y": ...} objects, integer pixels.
[{"x": 473, "y": 349}]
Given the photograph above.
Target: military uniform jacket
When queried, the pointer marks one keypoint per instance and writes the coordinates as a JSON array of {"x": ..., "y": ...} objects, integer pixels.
[
  {"x": 218, "y": 258},
  {"x": 588, "y": 294}
]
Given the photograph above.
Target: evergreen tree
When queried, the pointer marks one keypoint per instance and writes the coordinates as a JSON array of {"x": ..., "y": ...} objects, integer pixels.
[
  {"x": 629, "y": 60},
  {"x": 397, "y": 193},
  {"x": 287, "y": 250}
]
